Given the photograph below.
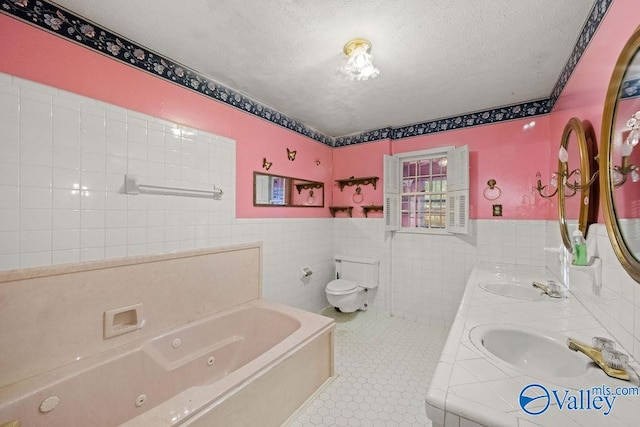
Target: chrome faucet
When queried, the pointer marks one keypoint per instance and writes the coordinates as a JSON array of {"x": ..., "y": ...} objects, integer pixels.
[{"x": 551, "y": 289}]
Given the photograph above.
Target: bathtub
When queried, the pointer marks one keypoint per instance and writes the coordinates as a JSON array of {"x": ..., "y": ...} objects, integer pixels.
[{"x": 253, "y": 364}]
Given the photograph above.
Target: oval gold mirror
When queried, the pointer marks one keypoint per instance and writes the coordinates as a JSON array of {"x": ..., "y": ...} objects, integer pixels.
[
  {"x": 578, "y": 197},
  {"x": 618, "y": 174}
]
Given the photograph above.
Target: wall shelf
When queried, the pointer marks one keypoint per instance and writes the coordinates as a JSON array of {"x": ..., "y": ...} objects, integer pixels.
[
  {"x": 347, "y": 209},
  {"x": 373, "y": 180},
  {"x": 308, "y": 186},
  {"x": 372, "y": 208}
]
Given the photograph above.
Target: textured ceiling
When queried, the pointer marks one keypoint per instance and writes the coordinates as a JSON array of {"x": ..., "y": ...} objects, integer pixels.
[{"x": 437, "y": 58}]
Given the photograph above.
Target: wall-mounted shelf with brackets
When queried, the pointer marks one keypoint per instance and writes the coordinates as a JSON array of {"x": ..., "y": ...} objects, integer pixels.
[
  {"x": 373, "y": 180},
  {"x": 347, "y": 209},
  {"x": 372, "y": 208},
  {"x": 308, "y": 186}
]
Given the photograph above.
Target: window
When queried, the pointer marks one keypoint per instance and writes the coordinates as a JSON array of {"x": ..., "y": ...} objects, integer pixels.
[
  {"x": 428, "y": 191},
  {"x": 423, "y": 192}
]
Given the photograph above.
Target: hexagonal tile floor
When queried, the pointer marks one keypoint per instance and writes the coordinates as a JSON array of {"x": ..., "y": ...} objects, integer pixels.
[{"x": 383, "y": 367}]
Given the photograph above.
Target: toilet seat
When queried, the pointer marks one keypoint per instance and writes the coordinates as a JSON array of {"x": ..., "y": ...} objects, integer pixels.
[{"x": 341, "y": 287}]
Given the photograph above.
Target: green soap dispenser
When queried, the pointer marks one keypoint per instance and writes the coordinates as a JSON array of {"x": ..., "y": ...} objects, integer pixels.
[{"x": 579, "y": 249}]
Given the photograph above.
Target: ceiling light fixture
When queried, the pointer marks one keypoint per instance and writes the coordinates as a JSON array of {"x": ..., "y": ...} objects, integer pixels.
[{"x": 359, "y": 65}]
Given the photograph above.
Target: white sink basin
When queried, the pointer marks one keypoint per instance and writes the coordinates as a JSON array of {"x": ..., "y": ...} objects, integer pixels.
[
  {"x": 532, "y": 352},
  {"x": 512, "y": 290}
]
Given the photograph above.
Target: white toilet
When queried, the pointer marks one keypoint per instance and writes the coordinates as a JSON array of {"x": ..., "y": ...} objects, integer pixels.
[{"x": 353, "y": 279}]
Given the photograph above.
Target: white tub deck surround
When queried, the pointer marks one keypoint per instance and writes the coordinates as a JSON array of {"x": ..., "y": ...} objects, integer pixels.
[
  {"x": 473, "y": 387},
  {"x": 208, "y": 361}
]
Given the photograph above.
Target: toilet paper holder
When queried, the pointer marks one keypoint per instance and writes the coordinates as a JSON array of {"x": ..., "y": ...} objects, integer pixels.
[{"x": 306, "y": 272}]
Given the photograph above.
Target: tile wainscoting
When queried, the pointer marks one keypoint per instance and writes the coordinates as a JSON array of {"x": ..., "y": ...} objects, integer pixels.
[{"x": 422, "y": 276}]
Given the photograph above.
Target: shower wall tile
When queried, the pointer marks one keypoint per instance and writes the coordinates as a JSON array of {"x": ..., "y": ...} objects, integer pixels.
[
  {"x": 9, "y": 102},
  {"x": 35, "y": 259},
  {"x": 64, "y": 158}
]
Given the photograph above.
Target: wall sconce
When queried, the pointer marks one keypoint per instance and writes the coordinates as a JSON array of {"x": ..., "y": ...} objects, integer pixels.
[
  {"x": 571, "y": 180},
  {"x": 620, "y": 173},
  {"x": 359, "y": 65}
]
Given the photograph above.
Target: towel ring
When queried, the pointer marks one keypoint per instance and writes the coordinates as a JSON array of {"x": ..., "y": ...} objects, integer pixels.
[
  {"x": 311, "y": 198},
  {"x": 492, "y": 192},
  {"x": 358, "y": 197}
]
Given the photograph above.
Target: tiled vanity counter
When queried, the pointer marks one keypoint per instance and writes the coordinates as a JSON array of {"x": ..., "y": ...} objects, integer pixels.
[{"x": 470, "y": 388}]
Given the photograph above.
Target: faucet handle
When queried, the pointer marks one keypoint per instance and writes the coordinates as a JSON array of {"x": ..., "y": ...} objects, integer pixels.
[
  {"x": 550, "y": 288},
  {"x": 602, "y": 343},
  {"x": 553, "y": 287},
  {"x": 615, "y": 359}
]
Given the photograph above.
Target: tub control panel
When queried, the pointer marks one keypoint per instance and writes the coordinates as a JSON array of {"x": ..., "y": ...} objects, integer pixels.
[{"x": 121, "y": 320}]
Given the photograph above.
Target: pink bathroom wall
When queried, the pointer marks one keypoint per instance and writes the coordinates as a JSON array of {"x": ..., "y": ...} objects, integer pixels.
[
  {"x": 361, "y": 160},
  {"x": 249, "y": 157},
  {"x": 36, "y": 55},
  {"x": 512, "y": 154},
  {"x": 509, "y": 152},
  {"x": 502, "y": 151},
  {"x": 585, "y": 92}
]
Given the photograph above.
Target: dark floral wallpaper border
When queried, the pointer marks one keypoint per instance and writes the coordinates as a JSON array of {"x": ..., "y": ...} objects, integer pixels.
[
  {"x": 57, "y": 20},
  {"x": 598, "y": 12},
  {"x": 528, "y": 109}
]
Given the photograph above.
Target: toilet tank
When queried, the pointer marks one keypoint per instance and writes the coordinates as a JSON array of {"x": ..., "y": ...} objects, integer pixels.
[{"x": 363, "y": 271}]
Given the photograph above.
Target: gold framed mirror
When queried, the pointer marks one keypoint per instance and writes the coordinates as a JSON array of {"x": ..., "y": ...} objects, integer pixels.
[
  {"x": 618, "y": 174},
  {"x": 574, "y": 176}
]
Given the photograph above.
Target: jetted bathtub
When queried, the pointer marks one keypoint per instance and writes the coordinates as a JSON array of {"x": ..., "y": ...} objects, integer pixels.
[{"x": 253, "y": 364}]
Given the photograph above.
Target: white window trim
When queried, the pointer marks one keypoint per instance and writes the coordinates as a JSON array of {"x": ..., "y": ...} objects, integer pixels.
[{"x": 393, "y": 191}]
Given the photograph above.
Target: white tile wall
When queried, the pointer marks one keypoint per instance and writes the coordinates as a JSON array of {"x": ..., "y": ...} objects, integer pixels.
[
  {"x": 422, "y": 276},
  {"x": 63, "y": 172},
  {"x": 430, "y": 271},
  {"x": 289, "y": 245}
]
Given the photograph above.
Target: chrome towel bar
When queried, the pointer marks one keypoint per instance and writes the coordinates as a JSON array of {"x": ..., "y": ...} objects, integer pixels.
[{"x": 132, "y": 186}]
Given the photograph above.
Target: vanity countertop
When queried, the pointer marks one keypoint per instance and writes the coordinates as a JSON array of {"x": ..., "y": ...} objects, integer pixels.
[{"x": 470, "y": 388}]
